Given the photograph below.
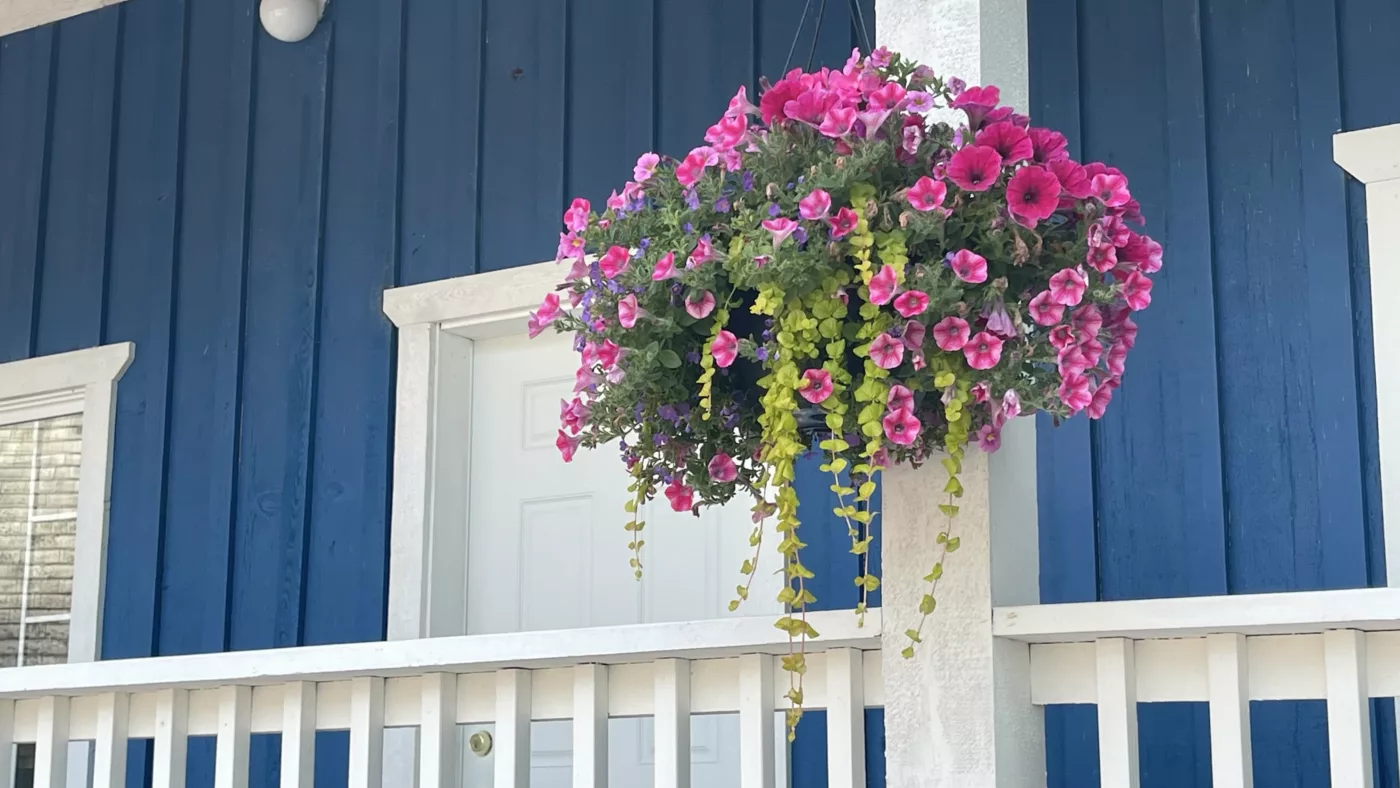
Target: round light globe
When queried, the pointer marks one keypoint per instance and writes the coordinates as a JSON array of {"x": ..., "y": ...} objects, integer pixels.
[{"x": 290, "y": 20}]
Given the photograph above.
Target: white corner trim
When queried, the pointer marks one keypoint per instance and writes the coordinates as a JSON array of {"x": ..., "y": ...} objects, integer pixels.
[
  {"x": 1369, "y": 155},
  {"x": 17, "y": 15},
  {"x": 480, "y": 305}
]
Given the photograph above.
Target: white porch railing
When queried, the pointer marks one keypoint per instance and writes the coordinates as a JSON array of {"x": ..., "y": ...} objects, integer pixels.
[{"x": 667, "y": 670}]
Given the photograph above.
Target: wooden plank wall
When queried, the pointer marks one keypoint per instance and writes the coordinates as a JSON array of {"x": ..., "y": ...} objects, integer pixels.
[
  {"x": 1240, "y": 454},
  {"x": 235, "y": 206}
]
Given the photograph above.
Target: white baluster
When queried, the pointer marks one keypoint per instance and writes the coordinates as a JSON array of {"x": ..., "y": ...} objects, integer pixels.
[
  {"x": 590, "y": 726},
  {"x": 1348, "y": 708},
  {"x": 51, "y": 749},
  {"x": 756, "y": 721},
  {"x": 1117, "y": 705},
  {"x": 1231, "y": 759},
  {"x": 172, "y": 732},
  {"x": 109, "y": 760},
  {"x": 367, "y": 732},
  {"x": 231, "y": 749},
  {"x": 512, "y": 746},
  {"x": 845, "y": 718},
  {"x": 438, "y": 732},
  {"x": 672, "y": 718},
  {"x": 298, "y": 734}
]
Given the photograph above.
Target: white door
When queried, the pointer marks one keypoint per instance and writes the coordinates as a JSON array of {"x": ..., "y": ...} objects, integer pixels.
[{"x": 547, "y": 550}]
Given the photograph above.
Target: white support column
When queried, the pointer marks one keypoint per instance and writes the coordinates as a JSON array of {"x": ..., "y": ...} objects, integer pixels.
[{"x": 1372, "y": 156}]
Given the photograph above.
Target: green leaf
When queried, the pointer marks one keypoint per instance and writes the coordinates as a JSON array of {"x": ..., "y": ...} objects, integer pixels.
[
  {"x": 733, "y": 605},
  {"x": 907, "y": 653},
  {"x": 935, "y": 574},
  {"x": 927, "y": 604},
  {"x": 948, "y": 509},
  {"x": 954, "y": 544},
  {"x": 669, "y": 359},
  {"x": 747, "y": 568},
  {"x": 913, "y": 634}
]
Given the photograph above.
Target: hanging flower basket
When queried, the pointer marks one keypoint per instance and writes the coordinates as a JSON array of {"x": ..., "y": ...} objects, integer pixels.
[{"x": 886, "y": 265}]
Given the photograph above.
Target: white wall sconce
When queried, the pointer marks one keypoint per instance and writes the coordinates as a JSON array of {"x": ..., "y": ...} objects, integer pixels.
[{"x": 291, "y": 20}]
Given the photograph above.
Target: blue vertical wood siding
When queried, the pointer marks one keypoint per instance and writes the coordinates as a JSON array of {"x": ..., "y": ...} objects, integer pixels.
[
  {"x": 236, "y": 206},
  {"x": 1240, "y": 454}
]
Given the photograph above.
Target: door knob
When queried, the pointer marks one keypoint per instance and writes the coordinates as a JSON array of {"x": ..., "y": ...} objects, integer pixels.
[{"x": 480, "y": 743}]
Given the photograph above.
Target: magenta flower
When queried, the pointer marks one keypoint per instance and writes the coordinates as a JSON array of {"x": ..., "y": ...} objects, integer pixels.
[
  {"x": 573, "y": 414},
  {"x": 888, "y": 96},
  {"x": 1063, "y": 336},
  {"x": 665, "y": 268},
  {"x": 969, "y": 266},
  {"x": 627, "y": 310},
  {"x": 913, "y": 136},
  {"x": 838, "y": 122},
  {"x": 645, "y": 167},
  {"x": 882, "y": 285},
  {"x": 1137, "y": 291},
  {"x": 911, "y": 303},
  {"x": 703, "y": 253},
  {"x": 886, "y": 351},
  {"x": 1073, "y": 178},
  {"x": 1007, "y": 139},
  {"x": 740, "y": 105},
  {"x": 1044, "y": 311},
  {"x": 576, "y": 218},
  {"x": 1112, "y": 190},
  {"x": 701, "y": 308},
  {"x": 570, "y": 245},
  {"x": 1011, "y": 404},
  {"x": 1049, "y": 145},
  {"x": 722, "y": 469},
  {"x": 1099, "y": 402},
  {"x": 951, "y": 333},
  {"x": 1067, "y": 287},
  {"x": 977, "y": 102},
  {"x": 614, "y": 262},
  {"x": 920, "y": 102},
  {"x": 815, "y": 206},
  {"x": 1087, "y": 320},
  {"x": 880, "y": 58},
  {"x": 1117, "y": 359},
  {"x": 547, "y": 313},
  {"x": 760, "y": 260},
  {"x": 926, "y": 193},
  {"x": 816, "y": 385},
  {"x": 728, "y": 133},
  {"x": 1033, "y": 194},
  {"x": 975, "y": 168},
  {"x": 615, "y": 201},
  {"x": 608, "y": 354},
  {"x": 983, "y": 351},
  {"x": 781, "y": 227},
  {"x": 1072, "y": 361},
  {"x": 900, "y": 398},
  {"x": 843, "y": 222},
  {"x": 988, "y": 438},
  {"x": 1075, "y": 392},
  {"x": 584, "y": 379},
  {"x": 913, "y": 336},
  {"x": 901, "y": 427},
  {"x": 682, "y": 498},
  {"x": 567, "y": 445},
  {"x": 693, "y": 166},
  {"x": 724, "y": 349},
  {"x": 998, "y": 321},
  {"x": 1102, "y": 258}
]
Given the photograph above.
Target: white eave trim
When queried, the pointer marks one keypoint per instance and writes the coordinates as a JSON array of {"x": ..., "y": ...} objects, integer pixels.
[
  {"x": 56, "y": 385},
  {"x": 17, "y": 15},
  {"x": 1369, "y": 155},
  {"x": 481, "y": 306}
]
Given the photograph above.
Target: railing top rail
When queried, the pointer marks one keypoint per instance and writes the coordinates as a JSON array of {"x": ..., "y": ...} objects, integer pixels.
[
  {"x": 1299, "y": 612},
  {"x": 713, "y": 639}
]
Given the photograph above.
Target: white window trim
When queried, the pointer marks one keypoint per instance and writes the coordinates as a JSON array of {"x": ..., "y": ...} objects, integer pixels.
[
  {"x": 438, "y": 322},
  {"x": 17, "y": 15},
  {"x": 82, "y": 382}
]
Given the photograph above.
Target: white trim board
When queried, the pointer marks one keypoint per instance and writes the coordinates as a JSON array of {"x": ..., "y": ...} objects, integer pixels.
[
  {"x": 1370, "y": 155},
  {"x": 17, "y": 15}
]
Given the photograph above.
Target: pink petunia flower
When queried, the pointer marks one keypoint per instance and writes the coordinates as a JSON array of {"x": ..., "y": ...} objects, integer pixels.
[
  {"x": 975, "y": 168},
  {"x": 1099, "y": 403},
  {"x": 703, "y": 253},
  {"x": 977, "y": 102},
  {"x": 913, "y": 336},
  {"x": 912, "y": 135},
  {"x": 608, "y": 353},
  {"x": 886, "y": 351},
  {"x": 815, "y": 206},
  {"x": 547, "y": 313},
  {"x": 983, "y": 351},
  {"x": 1011, "y": 404},
  {"x": 572, "y": 415},
  {"x": 1044, "y": 311},
  {"x": 1063, "y": 336},
  {"x": 645, "y": 167},
  {"x": 926, "y": 194},
  {"x": 585, "y": 378},
  {"x": 740, "y": 105},
  {"x": 888, "y": 96},
  {"x": 1087, "y": 320},
  {"x": 692, "y": 168},
  {"x": 665, "y": 268},
  {"x": 724, "y": 349},
  {"x": 838, "y": 122},
  {"x": 1137, "y": 291},
  {"x": 1007, "y": 139},
  {"x": 1048, "y": 145},
  {"x": 614, "y": 261},
  {"x": 900, "y": 398},
  {"x": 571, "y": 245},
  {"x": 817, "y": 385},
  {"x": 682, "y": 498},
  {"x": 970, "y": 266},
  {"x": 843, "y": 222},
  {"x": 1072, "y": 361},
  {"x": 628, "y": 311},
  {"x": 1073, "y": 178},
  {"x": 1117, "y": 359},
  {"x": 701, "y": 308},
  {"x": 1111, "y": 190},
  {"x": 988, "y": 438},
  {"x": 902, "y": 427},
  {"x": 615, "y": 201},
  {"x": 951, "y": 333},
  {"x": 1033, "y": 194},
  {"x": 920, "y": 101},
  {"x": 911, "y": 303},
  {"x": 722, "y": 469},
  {"x": 567, "y": 445},
  {"x": 576, "y": 218},
  {"x": 882, "y": 285},
  {"x": 760, "y": 260},
  {"x": 781, "y": 227},
  {"x": 1102, "y": 258},
  {"x": 1067, "y": 287},
  {"x": 727, "y": 133},
  {"x": 1075, "y": 393}
]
